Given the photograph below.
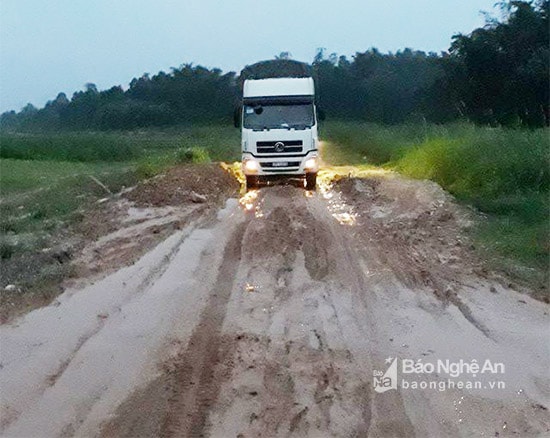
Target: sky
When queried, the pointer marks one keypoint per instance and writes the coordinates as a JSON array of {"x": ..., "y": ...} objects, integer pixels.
[{"x": 53, "y": 46}]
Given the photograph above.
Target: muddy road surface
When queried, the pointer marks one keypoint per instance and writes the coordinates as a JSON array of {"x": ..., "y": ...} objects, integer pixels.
[{"x": 289, "y": 313}]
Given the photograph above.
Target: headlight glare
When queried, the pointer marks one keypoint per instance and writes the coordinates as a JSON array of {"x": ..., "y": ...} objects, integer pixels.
[
  {"x": 311, "y": 163},
  {"x": 251, "y": 166}
]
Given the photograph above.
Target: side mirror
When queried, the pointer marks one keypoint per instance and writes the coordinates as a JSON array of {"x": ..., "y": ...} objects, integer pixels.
[
  {"x": 321, "y": 114},
  {"x": 237, "y": 117}
]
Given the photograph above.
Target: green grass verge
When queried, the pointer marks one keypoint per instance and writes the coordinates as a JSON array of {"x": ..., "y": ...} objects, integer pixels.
[
  {"x": 221, "y": 143},
  {"x": 504, "y": 173},
  {"x": 46, "y": 178},
  {"x": 37, "y": 196}
]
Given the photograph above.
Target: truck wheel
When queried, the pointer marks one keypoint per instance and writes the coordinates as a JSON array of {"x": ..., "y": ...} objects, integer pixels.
[
  {"x": 251, "y": 182},
  {"x": 311, "y": 181}
]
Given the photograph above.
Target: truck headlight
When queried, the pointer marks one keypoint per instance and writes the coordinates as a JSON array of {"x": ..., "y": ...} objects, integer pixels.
[
  {"x": 311, "y": 163},
  {"x": 251, "y": 166}
]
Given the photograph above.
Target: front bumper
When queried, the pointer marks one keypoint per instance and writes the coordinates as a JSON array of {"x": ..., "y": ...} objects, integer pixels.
[{"x": 277, "y": 165}]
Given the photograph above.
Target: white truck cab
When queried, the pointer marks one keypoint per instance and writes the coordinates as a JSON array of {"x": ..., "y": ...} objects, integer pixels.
[{"x": 279, "y": 131}]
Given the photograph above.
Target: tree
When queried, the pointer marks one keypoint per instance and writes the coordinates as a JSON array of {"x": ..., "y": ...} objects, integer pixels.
[
  {"x": 506, "y": 66},
  {"x": 498, "y": 74}
]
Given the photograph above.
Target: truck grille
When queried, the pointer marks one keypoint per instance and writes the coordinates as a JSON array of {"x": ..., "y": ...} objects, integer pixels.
[
  {"x": 275, "y": 147},
  {"x": 272, "y": 166}
]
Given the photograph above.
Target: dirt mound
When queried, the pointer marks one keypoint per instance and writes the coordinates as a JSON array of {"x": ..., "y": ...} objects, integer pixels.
[
  {"x": 415, "y": 224},
  {"x": 186, "y": 184},
  {"x": 121, "y": 231}
]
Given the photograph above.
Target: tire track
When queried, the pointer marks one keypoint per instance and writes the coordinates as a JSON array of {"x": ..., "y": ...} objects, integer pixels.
[
  {"x": 300, "y": 378},
  {"x": 360, "y": 317},
  {"x": 195, "y": 373}
]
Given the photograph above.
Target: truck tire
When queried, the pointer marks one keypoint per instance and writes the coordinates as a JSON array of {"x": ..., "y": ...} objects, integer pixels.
[
  {"x": 251, "y": 182},
  {"x": 311, "y": 181}
]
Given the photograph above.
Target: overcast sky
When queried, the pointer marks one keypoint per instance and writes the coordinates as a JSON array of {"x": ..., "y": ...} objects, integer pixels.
[{"x": 49, "y": 46}]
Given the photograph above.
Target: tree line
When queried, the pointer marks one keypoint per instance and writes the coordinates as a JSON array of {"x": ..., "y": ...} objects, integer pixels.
[{"x": 497, "y": 75}]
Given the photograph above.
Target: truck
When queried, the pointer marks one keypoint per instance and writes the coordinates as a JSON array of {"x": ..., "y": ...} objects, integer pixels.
[{"x": 278, "y": 121}]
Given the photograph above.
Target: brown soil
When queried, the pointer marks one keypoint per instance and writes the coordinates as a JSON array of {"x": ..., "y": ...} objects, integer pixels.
[
  {"x": 177, "y": 186},
  {"x": 268, "y": 317}
]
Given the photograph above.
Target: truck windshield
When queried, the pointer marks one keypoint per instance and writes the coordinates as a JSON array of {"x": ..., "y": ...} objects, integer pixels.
[{"x": 298, "y": 116}]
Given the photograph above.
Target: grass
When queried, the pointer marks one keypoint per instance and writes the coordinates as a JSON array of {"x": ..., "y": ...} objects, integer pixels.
[
  {"x": 39, "y": 199},
  {"x": 355, "y": 143},
  {"x": 47, "y": 177},
  {"x": 221, "y": 143},
  {"x": 504, "y": 173},
  {"x": 48, "y": 180},
  {"x": 34, "y": 191},
  {"x": 22, "y": 176},
  {"x": 76, "y": 147}
]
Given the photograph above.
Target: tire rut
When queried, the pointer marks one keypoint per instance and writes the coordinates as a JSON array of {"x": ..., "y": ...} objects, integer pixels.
[
  {"x": 292, "y": 371},
  {"x": 195, "y": 368}
]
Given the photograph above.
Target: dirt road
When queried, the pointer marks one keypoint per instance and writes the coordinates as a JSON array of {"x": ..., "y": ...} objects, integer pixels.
[{"x": 269, "y": 319}]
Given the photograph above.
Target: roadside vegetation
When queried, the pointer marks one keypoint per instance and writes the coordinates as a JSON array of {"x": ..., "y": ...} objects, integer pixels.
[
  {"x": 503, "y": 173},
  {"x": 48, "y": 176},
  {"x": 49, "y": 181}
]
